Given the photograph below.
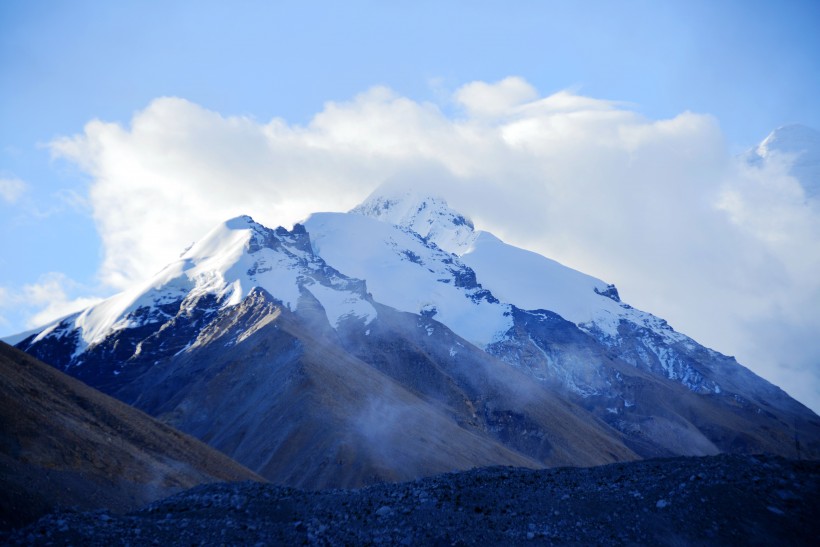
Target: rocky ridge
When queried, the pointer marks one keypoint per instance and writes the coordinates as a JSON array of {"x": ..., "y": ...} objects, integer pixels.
[{"x": 720, "y": 500}]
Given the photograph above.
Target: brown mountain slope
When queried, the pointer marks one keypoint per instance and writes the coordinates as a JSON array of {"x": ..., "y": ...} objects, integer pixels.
[
  {"x": 64, "y": 444},
  {"x": 278, "y": 391}
]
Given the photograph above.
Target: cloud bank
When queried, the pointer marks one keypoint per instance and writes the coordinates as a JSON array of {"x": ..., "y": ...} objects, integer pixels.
[{"x": 727, "y": 252}]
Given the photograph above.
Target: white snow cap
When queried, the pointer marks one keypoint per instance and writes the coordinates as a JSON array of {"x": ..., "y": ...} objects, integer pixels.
[
  {"x": 513, "y": 275},
  {"x": 427, "y": 214},
  {"x": 415, "y": 253},
  {"x": 228, "y": 263}
]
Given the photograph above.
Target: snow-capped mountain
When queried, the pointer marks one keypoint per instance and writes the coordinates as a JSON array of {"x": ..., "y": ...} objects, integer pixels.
[
  {"x": 224, "y": 266},
  {"x": 800, "y": 147},
  {"x": 397, "y": 340},
  {"x": 216, "y": 273},
  {"x": 508, "y": 277}
]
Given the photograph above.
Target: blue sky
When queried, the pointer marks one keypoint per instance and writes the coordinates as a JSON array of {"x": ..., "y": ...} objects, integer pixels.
[{"x": 743, "y": 67}]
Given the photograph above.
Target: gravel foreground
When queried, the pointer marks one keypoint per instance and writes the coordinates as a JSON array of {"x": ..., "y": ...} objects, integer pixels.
[{"x": 720, "y": 500}]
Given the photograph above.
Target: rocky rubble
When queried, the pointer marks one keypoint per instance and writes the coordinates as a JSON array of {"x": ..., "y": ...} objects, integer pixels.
[{"x": 719, "y": 500}]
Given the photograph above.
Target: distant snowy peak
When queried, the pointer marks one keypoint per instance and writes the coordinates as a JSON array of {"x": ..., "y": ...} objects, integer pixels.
[
  {"x": 427, "y": 215},
  {"x": 797, "y": 144},
  {"x": 794, "y": 139}
]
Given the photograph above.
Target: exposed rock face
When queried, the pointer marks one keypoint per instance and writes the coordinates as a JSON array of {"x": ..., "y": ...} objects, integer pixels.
[
  {"x": 63, "y": 444},
  {"x": 293, "y": 400},
  {"x": 721, "y": 500}
]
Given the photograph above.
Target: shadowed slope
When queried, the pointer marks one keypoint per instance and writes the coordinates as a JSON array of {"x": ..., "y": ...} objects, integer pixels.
[
  {"x": 64, "y": 444},
  {"x": 289, "y": 403}
]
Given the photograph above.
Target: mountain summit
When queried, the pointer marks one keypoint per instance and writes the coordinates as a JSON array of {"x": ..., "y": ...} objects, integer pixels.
[
  {"x": 396, "y": 341},
  {"x": 426, "y": 215},
  {"x": 800, "y": 146}
]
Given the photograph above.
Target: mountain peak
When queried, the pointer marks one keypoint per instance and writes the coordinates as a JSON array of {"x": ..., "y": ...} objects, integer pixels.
[
  {"x": 793, "y": 138},
  {"x": 799, "y": 145},
  {"x": 231, "y": 236},
  {"x": 426, "y": 214},
  {"x": 241, "y": 222}
]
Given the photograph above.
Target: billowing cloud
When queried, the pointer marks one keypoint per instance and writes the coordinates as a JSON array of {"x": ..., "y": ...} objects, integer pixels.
[
  {"x": 11, "y": 189},
  {"x": 49, "y": 296},
  {"x": 725, "y": 251},
  {"x": 53, "y": 296},
  {"x": 483, "y": 99}
]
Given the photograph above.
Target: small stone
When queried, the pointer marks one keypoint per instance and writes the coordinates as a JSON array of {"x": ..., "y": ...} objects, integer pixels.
[
  {"x": 384, "y": 510},
  {"x": 661, "y": 504}
]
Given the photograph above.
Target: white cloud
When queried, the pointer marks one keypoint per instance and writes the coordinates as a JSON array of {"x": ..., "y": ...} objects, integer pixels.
[
  {"x": 483, "y": 99},
  {"x": 659, "y": 207},
  {"x": 11, "y": 189},
  {"x": 52, "y": 297},
  {"x": 50, "y": 300}
]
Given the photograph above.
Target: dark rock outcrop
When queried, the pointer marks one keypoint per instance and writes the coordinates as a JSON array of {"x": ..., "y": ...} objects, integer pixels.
[{"x": 720, "y": 500}]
